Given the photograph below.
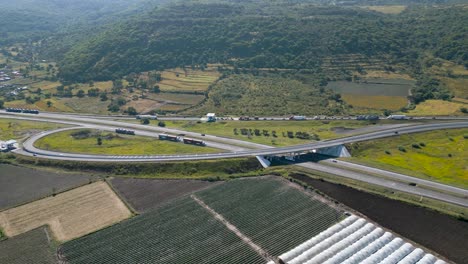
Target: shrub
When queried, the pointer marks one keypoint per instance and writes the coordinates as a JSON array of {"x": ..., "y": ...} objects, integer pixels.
[
  {"x": 465, "y": 136},
  {"x": 415, "y": 146},
  {"x": 161, "y": 124},
  {"x": 451, "y": 138},
  {"x": 402, "y": 149},
  {"x": 422, "y": 144},
  {"x": 388, "y": 152},
  {"x": 450, "y": 155}
]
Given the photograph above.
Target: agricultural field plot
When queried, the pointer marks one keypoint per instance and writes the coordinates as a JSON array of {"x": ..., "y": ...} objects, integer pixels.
[
  {"x": 374, "y": 93},
  {"x": 70, "y": 214},
  {"x": 144, "y": 105},
  {"x": 187, "y": 80},
  {"x": 437, "y": 107},
  {"x": 187, "y": 99},
  {"x": 387, "y": 9},
  {"x": 423, "y": 226},
  {"x": 360, "y": 102},
  {"x": 273, "y": 214},
  {"x": 19, "y": 185},
  {"x": 31, "y": 247},
  {"x": 438, "y": 155},
  {"x": 373, "y": 87},
  {"x": 178, "y": 233},
  {"x": 86, "y": 141},
  {"x": 326, "y": 129},
  {"x": 146, "y": 194},
  {"x": 18, "y": 129},
  {"x": 58, "y": 105},
  {"x": 92, "y": 105}
]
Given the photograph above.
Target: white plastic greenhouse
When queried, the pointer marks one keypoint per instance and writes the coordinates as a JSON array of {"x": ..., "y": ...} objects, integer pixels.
[{"x": 354, "y": 241}]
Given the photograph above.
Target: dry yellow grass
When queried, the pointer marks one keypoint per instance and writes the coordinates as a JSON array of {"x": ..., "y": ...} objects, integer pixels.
[
  {"x": 437, "y": 107},
  {"x": 70, "y": 214},
  {"x": 387, "y": 9},
  {"x": 459, "y": 86},
  {"x": 143, "y": 105},
  {"x": 384, "y": 75},
  {"x": 376, "y": 102},
  {"x": 187, "y": 80}
]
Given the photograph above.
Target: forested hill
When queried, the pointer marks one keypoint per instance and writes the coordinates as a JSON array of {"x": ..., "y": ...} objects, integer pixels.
[
  {"x": 23, "y": 20},
  {"x": 296, "y": 36}
]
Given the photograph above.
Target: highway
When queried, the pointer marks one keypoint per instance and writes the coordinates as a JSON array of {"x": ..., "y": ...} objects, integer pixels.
[{"x": 239, "y": 148}]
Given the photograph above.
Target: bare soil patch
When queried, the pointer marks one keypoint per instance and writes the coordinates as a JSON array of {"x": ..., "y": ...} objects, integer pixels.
[
  {"x": 19, "y": 185},
  {"x": 70, "y": 214},
  {"x": 441, "y": 233},
  {"x": 31, "y": 247},
  {"x": 146, "y": 194}
]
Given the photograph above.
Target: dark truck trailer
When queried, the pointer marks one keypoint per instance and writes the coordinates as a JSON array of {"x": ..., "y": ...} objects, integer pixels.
[
  {"x": 194, "y": 142},
  {"x": 14, "y": 110},
  {"x": 124, "y": 131},
  {"x": 168, "y": 137}
]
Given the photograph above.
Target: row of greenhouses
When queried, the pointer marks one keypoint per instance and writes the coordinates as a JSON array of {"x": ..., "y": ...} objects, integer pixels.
[{"x": 354, "y": 240}]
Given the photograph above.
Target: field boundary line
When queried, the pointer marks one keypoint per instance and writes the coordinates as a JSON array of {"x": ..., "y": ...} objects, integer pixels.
[{"x": 234, "y": 229}]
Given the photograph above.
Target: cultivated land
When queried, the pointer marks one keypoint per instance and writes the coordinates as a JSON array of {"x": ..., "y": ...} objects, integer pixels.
[
  {"x": 374, "y": 93},
  {"x": 115, "y": 144},
  {"x": 31, "y": 247},
  {"x": 438, "y": 107},
  {"x": 387, "y": 9},
  {"x": 70, "y": 214},
  {"x": 14, "y": 129},
  {"x": 325, "y": 129},
  {"x": 269, "y": 211},
  {"x": 443, "y": 234},
  {"x": 146, "y": 194},
  {"x": 187, "y": 80},
  {"x": 275, "y": 215},
  {"x": 180, "y": 232},
  {"x": 19, "y": 185},
  {"x": 428, "y": 158}
]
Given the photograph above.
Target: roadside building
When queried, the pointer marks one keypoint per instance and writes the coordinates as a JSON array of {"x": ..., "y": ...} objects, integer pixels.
[{"x": 8, "y": 145}]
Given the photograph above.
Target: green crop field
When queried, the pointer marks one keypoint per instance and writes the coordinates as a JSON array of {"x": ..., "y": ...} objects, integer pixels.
[
  {"x": 180, "y": 232},
  {"x": 273, "y": 214},
  {"x": 31, "y": 247},
  {"x": 325, "y": 129},
  {"x": 276, "y": 216},
  {"x": 439, "y": 155},
  {"x": 17, "y": 129},
  {"x": 114, "y": 144}
]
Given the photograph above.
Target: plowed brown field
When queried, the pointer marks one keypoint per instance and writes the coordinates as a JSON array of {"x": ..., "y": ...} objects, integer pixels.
[{"x": 70, "y": 214}]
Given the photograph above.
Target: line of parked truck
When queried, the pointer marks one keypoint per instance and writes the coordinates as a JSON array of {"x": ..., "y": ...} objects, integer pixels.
[
  {"x": 21, "y": 110},
  {"x": 167, "y": 137}
]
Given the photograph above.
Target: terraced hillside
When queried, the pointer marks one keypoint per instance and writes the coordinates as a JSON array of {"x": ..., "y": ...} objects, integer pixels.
[{"x": 187, "y": 80}]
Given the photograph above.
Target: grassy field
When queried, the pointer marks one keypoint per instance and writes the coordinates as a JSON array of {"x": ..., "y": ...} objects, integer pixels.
[
  {"x": 324, "y": 129},
  {"x": 360, "y": 102},
  {"x": 269, "y": 94},
  {"x": 178, "y": 233},
  {"x": 70, "y": 214},
  {"x": 439, "y": 155},
  {"x": 30, "y": 247},
  {"x": 187, "y": 80},
  {"x": 387, "y": 9},
  {"x": 373, "y": 87},
  {"x": 115, "y": 144},
  {"x": 457, "y": 85},
  {"x": 437, "y": 107},
  {"x": 16, "y": 129}
]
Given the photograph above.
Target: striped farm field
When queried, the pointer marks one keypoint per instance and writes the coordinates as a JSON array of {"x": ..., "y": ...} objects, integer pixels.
[
  {"x": 275, "y": 215},
  {"x": 187, "y": 80},
  {"x": 376, "y": 101},
  {"x": 249, "y": 220},
  {"x": 70, "y": 214},
  {"x": 180, "y": 232}
]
